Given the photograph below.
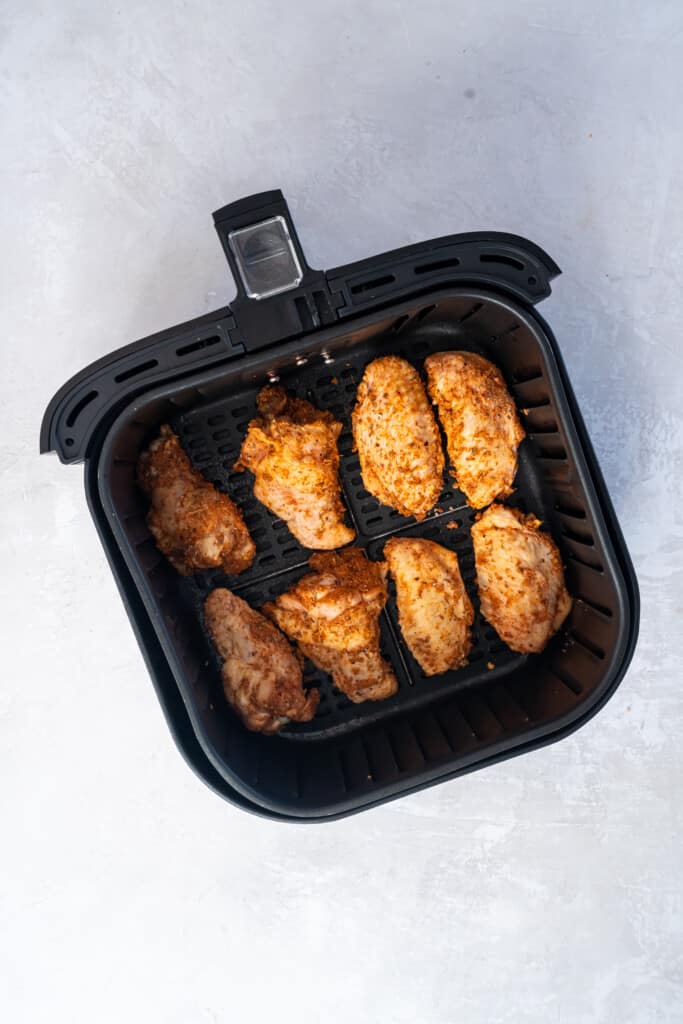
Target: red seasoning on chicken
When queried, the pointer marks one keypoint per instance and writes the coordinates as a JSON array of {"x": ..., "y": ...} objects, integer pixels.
[
  {"x": 291, "y": 448},
  {"x": 194, "y": 524},
  {"x": 480, "y": 421},
  {"x": 520, "y": 578},
  {"x": 261, "y": 671},
  {"x": 332, "y": 613},
  {"x": 435, "y": 613},
  {"x": 397, "y": 438}
]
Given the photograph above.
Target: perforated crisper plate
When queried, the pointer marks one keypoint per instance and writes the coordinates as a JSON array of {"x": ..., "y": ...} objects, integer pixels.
[{"x": 212, "y": 435}]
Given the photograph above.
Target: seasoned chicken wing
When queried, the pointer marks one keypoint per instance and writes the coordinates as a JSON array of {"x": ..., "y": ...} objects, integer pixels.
[
  {"x": 397, "y": 438},
  {"x": 261, "y": 671},
  {"x": 520, "y": 578},
  {"x": 291, "y": 449},
  {"x": 195, "y": 525},
  {"x": 435, "y": 613},
  {"x": 481, "y": 423},
  {"x": 333, "y": 615}
]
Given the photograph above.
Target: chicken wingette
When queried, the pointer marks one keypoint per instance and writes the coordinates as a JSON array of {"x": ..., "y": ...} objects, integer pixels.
[
  {"x": 291, "y": 448},
  {"x": 332, "y": 613},
  {"x": 397, "y": 438},
  {"x": 520, "y": 579},
  {"x": 480, "y": 421},
  {"x": 194, "y": 524},
  {"x": 261, "y": 671},
  {"x": 435, "y": 613}
]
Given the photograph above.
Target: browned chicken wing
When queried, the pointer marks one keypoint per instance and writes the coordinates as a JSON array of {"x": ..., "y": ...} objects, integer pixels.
[
  {"x": 435, "y": 613},
  {"x": 261, "y": 671},
  {"x": 195, "y": 525},
  {"x": 397, "y": 438},
  {"x": 291, "y": 449},
  {"x": 520, "y": 578},
  {"x": 481, "y": 423},
  {"x": 333, "y": 615}
]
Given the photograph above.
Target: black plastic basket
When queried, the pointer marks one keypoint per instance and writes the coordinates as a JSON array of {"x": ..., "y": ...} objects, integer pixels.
[{"x": 315, "y": 332}]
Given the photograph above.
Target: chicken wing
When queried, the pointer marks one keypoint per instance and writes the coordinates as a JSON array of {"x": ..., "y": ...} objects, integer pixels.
[
  {"x": 291, "y": 449},
  {"x": 397, "y": 438},
  {"x": 435, "y": 613},
  {"x": 481, "y": 423},
  {"x": 333, "y": 615},
  {"x": 520, "y": 578},
  {"x": 261, "y": 671},
  {"x": 195, "y": 525}
]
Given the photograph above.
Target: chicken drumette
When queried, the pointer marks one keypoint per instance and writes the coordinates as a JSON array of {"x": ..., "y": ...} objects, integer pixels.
[
  {"x": 261, "y": 671},
  {"x": 195, "y": 525},
  {"x": 291, "y": 448},
  {"x": 435, "y": 613},
  {"x": 520, "y": 578},
  {"x": 480, "y": 421},
  {"x": 333, "y": 615},
  {"x": 397, "y": 438}
]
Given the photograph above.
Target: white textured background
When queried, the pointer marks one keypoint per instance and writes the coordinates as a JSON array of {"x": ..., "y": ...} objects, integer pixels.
[{"x": 548, "y": 889}]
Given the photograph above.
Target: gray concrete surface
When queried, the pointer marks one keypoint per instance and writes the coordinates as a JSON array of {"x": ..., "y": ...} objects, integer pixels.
[{"x": 547, "y": 889}]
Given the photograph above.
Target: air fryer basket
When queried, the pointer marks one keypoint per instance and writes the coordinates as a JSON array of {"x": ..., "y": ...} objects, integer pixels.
[{"x": 500, "y": 703}]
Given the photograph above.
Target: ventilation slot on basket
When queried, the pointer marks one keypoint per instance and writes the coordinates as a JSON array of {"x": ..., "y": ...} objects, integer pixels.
[
  {"x": 80, "y": 406},
  {"x": 537, "y": 403},
  {"x": 457, "y": 729},
  {"x": 424, "y": 312},
  {"x": 567, "y": 680},
  {"x": 195, "y": 346},
  {"x": 322, "y": 306},
  {"x": 428, "y": 268},
  {"x": 506, "y": 333},
  {"x": 573, "y": 511},
  {"x": 432, "y": 739},
  {"x": 305, "y": 315},
  {"x": 354, "y": 766},
  {"x": 548, "y": 427},
  {"x": 523, "y": 376},
  {"x": 587, "y": 644},
  {"x": 370, "y": 286},
  {"x": 595, "y": 607},
  {"x": 135, "y": 371},
  {"x": 596, "y": 566},
  {"x": 396, "y": 327},
  {"x": 548, "y": 450},
  {"x": 507, "y": 261},
  {"x": 406, "y": 749},
  {"x": 579, "y": 538},
  {"x": 471, "y": 312}
]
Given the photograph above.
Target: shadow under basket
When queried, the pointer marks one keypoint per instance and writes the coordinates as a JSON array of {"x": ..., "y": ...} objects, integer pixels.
[{"x": 352, "y": 756}]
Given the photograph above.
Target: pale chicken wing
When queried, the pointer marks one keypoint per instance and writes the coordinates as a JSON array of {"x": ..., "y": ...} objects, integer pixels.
[
  {"x": 435, "y": 613},
  {"x": 291, "y": 448},
  {"x": 520, "y": 578},
  {"x": 261, "y": 671},
  {"x": 480, "y": 421},
  {"x": 195, "y": 525},
  {"x": 397, "y": 438},
  {"x": 333, "y": 615}
]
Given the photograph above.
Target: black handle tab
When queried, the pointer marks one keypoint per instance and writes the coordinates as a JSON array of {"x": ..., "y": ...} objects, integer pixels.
[{"x": 278, "y": 295}]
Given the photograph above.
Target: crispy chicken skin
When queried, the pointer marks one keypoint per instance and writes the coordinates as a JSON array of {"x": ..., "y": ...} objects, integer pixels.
[
  {"x": 333, "y": 615},
  {"x": 261, "y": 671},
  {"x": 397, "y": 438},
  {"x": 435, "y": 613},
  {"x": 520, "y": 578},
  {"x": 480, "y": 421},
  {"x": 195, "y": 525},
  {"x": 291, "y": 448}
]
